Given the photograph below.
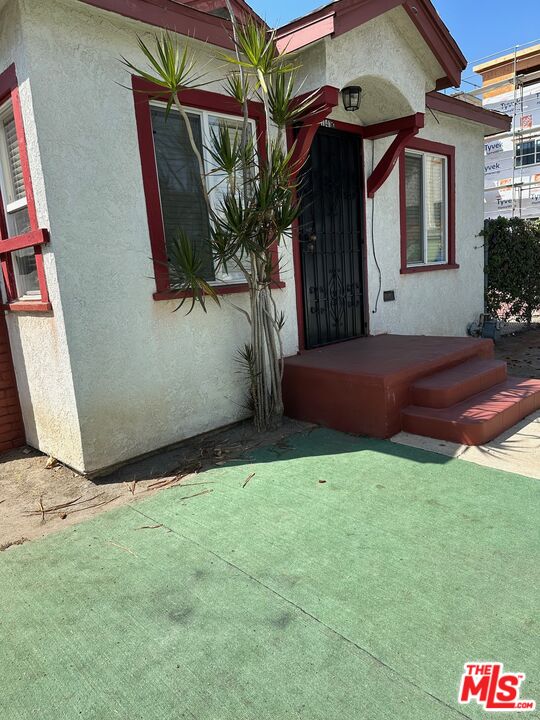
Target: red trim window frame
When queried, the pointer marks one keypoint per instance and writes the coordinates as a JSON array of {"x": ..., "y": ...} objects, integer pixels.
[
  {"x": 449, "y": 152},
  {"x": 36, "y": 237},
  {"x": 143, "y": 93}
]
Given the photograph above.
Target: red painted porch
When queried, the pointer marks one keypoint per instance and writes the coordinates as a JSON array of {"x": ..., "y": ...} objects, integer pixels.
[{"x": 444, "y": 387}]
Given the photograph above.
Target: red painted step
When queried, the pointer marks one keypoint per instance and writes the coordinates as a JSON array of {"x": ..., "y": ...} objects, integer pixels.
[
  {"x": 453, "y": 385},
  {"x": 478, "y": 419}
]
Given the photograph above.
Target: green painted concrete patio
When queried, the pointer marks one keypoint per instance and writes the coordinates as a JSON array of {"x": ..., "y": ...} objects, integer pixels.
[{"x": 358, "y": 597}]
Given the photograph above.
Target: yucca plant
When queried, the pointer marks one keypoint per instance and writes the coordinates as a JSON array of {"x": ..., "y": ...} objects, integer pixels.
[{"x": 259, "y": 202}]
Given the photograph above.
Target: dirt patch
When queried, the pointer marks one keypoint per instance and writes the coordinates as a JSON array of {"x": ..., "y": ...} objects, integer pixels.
[
  {"x": 521, "y": 351},
  {"x": 36, "y": 500}
]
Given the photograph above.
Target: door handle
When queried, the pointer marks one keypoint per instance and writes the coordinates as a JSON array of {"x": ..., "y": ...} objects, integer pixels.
[{"x": 311, "y": 242}]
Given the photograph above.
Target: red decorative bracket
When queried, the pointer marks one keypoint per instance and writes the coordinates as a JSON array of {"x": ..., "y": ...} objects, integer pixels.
[
  {"x": 406, "y": 129},
  {"x": 321, "y": 107}
]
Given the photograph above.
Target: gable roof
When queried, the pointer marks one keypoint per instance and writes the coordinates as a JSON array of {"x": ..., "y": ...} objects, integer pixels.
[
  {"x": 172, "y": 15},
  {"x": 219, "y": 8},
  {"x": 340, "y": 16},
  {"x": 494, "y": 122},
  {"x": 198, "y": 19}
]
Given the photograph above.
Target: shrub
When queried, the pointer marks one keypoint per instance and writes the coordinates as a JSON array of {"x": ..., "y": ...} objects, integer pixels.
[{"x": 512, "y": 267}]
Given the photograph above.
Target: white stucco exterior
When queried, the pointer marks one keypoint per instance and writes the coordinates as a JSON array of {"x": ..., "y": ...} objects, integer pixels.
[
  {"x": 441, "y": 302},
  {"x": 39, "y": 342},
  {"x": 113, "y": 374},
  {"x": 144, "y": 376},
  {"x": 387, "y": 58}
]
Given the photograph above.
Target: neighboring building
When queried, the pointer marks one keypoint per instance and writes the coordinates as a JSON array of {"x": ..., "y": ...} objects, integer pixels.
[
  {"x": 105, "y": 370},
  {"x": 511, "y": 84}
]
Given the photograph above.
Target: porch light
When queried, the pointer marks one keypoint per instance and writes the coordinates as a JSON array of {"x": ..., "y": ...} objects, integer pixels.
[{"x": 351, "y": 97}]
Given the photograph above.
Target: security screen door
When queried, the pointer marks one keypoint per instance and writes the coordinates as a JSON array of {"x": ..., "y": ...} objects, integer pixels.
[{"x": 331, "y": 236}]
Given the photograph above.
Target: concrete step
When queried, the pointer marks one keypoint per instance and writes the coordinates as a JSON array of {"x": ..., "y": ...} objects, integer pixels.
[
  {"x": 478, "y": 419},
  {"x": 453, "y": 385}
]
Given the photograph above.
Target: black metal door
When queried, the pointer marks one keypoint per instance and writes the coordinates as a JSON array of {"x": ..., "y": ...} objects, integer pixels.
[{"x": 331, "y": 239}]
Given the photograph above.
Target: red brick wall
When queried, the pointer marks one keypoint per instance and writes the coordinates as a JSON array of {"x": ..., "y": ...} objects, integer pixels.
[{"x": 11, "y": 424}]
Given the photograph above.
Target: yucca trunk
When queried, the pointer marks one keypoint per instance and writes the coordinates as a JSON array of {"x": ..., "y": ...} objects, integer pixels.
[
  {"x": 259, "y": 206},
  {"x": 267, "y": 361}
]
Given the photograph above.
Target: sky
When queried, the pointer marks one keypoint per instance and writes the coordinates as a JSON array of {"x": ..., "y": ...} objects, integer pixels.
[{"x": 480, "y": 27}]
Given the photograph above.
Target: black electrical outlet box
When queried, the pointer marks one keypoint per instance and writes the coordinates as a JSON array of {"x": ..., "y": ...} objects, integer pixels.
[{"x": 389, "y": 295}]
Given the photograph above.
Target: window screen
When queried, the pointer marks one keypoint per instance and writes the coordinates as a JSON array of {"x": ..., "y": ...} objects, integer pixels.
[
  {"x": 426, "y": 211},
  {"x": 25, "y": 272},
  {"x": 12, "y": 181},
  {"x": 182, "y": 202},
  {"x": 414, "y": 208},
  {"x": 435, "y": 210},
  {"x": 16, "y": 191},
  {"x": 15, "y": 205}
]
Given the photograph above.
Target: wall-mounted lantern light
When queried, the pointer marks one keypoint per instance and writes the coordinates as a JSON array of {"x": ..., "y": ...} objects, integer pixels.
[{"x": 351, "y": 97}]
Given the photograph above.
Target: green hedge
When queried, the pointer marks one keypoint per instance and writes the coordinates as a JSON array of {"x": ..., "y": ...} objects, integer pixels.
[{"x": 512, "y": 267}]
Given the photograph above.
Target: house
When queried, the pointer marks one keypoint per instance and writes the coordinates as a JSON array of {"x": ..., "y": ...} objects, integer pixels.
[
  {"x": 102, "y": 368},
  {"x": 511, "y": 84}
]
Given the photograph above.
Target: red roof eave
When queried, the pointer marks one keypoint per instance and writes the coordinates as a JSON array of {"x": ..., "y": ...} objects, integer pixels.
[
  {"x": 342, "y": 16},
  {"x": 306, "y": 31},
  {"x": 172, "y": 15},
  {"x": 333, "y": 19},
  {"x": 459, "y": 108}
]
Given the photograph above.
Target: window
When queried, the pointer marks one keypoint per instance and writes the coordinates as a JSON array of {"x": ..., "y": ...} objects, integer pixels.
[
  {"x": 172, "y": 187},
  {"x": 425, "y": 189},
  {"x": 20, "y": 238},
  {"x": 427, "y": 206},
  {"x": 527, "y": 153},
  {"x": 182, "y": 202},
  {"x": 16, "y": 206},
  {"x": 14, "y": 193}
]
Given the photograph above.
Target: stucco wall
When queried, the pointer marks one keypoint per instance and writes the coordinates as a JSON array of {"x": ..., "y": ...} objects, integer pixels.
[
  {"x": 38, "y": 341},
  {"x": 385, "y": 56},
  {"x": 439, "y": 302},
  {"x": 144, "y": 375}
]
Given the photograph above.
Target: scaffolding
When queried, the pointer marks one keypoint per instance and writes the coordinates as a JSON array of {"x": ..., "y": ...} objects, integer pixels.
[{"x": 515, "y": 174}]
